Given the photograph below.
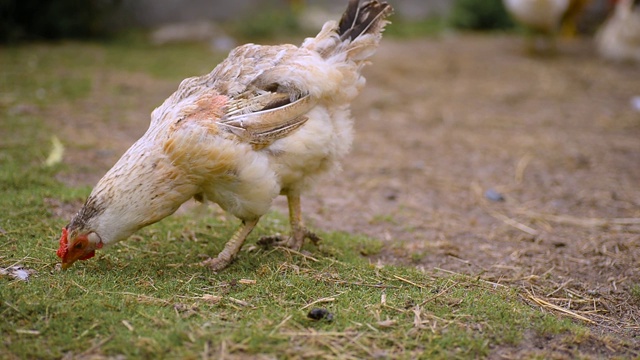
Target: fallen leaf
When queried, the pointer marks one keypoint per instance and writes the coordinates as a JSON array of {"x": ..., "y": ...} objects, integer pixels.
[{"x": 57, "y": 152}]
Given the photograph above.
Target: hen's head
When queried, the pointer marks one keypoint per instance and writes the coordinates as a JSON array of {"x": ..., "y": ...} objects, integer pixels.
[{"x": 77, "y": 245}]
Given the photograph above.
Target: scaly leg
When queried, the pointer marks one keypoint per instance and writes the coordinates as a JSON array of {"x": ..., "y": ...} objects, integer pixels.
[
  {"x": 232, "y": 247},
  {"x": 298, "y": 231}
]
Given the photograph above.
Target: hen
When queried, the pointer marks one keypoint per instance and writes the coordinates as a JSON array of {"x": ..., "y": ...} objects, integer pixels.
[
  {"x": 544, "y": 18},
  {"x": 539, "y": 15},
  {"x": 266, "y": 121},
  {"x": 619, "y": 37}
]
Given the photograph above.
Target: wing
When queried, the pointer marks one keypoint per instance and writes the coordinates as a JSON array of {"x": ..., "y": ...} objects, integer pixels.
[
  {"x": 277, "y": 119},
  {"x": 259, "y": 94},
  {"x": 267, "y": 100}
]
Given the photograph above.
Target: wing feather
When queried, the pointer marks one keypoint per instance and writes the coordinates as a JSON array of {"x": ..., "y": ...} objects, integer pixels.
[{"x": 270, "y": 124}]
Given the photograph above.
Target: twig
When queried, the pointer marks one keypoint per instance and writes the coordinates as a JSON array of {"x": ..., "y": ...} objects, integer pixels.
[
  {"x": 544, "y": 303},
  {"x": 509, "y": 221},
  {"x": 80, "y": 286},
  {"x": 408, "y": 281},
  {"x": 438, "y": 294},
  {"x": 585, "y": 222},
  {"x": 559, "y": 288},
  {"x": 321, "y": 300},
  {"x": 128, "y": 325},
  {"x": 239, "y": 302},
  {"x": 401, "y": 311},
  {"x": 297, "y": 253},
  {"x": 187, "y": 282}
]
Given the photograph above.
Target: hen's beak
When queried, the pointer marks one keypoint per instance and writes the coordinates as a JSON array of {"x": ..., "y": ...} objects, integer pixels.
[{"x": 74, "y": 254}]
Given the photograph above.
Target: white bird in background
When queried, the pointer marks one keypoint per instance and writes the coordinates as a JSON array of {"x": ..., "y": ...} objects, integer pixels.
[
  {"x": 619, "y": 37},
  {"x": 544, "y": 19},
  {"x": 266, "y": 121},
  {"x": 539, "y": 15}
]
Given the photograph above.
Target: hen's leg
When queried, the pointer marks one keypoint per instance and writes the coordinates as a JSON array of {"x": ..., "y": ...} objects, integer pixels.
[
  {"x": 298, "y": 231},
  {"x": 232, "y": 247}
]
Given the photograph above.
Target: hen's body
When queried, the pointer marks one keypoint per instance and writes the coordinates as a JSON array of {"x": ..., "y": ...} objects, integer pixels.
[
  {"x": 543, "y": 19},
  {"x": 266, "y": 121},
  {"x": 540, "y": 15},
  {"x": 619, "y": 37}
]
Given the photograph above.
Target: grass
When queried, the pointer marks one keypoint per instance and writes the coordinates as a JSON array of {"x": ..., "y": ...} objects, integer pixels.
[
  {"x": 402, "y": 28},
  {"x": 146, "y": 298}
]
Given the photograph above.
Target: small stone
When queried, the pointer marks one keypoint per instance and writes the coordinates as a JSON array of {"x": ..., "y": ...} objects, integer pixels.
[
  {"x": 319, "y": 314},
  {"x": 493, "y": 195}
]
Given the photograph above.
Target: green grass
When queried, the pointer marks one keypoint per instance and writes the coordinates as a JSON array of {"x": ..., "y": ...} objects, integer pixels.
[
  {"x": 402, "y": 28},
  {"x": 147, "y": 298}
]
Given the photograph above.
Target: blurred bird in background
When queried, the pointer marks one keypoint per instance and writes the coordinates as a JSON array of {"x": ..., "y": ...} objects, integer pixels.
[
  {"x": 268, "y": 120},
  {"x": 545, "y": 19},
  {"x": 571, "y": 17},
  {"x": 619, "y": 37}
]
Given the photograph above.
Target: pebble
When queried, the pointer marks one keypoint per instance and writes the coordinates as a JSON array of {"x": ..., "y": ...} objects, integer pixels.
[{"x": 493, "y": 195}]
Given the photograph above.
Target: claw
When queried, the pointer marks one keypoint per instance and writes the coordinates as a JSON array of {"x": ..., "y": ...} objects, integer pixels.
[
  {"x": 216, "y": 264},
  {"x": 273, "y": 240},
  {"x": 294, "y": 241}
]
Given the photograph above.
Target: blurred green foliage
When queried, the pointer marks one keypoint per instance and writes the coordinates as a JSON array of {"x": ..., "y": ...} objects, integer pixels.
[
  {"x": 37, "y": 20},
  {"x": 402, "y": 28},
  {"x": 268, "y": 24},
  {"x": 480, "y": 15}
]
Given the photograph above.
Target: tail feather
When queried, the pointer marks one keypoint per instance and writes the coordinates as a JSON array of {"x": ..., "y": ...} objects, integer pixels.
[
  {"x": 363, "y": 18},
  {"x": 358, "y": 31}
]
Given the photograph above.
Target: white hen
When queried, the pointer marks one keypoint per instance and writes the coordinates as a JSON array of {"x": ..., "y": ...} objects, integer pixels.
[
  {"x": 267, "y": 121},
  {"x": 539, "y": 15},
  {"x": 619, "y": 37},
  {"x": 542, "y": 17}
]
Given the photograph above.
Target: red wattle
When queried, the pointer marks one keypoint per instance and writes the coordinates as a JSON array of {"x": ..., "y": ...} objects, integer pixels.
[{"x": 89, "y": 255}]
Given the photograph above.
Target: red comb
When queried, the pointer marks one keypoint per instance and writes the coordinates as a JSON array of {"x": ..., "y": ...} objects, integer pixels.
[{"x": 64, "y": 244}]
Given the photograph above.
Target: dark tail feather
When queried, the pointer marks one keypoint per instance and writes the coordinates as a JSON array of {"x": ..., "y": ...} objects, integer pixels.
[{"x": 360, "y": 18}]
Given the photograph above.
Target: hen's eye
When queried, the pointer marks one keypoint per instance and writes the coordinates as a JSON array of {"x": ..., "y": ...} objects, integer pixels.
[{"x": 78, "y": 246}]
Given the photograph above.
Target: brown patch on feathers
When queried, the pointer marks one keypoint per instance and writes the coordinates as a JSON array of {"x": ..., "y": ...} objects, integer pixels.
[{"x": 207, "y": 107}]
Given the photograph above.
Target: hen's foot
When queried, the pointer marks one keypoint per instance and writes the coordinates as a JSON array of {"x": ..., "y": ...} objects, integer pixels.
[
  {"x": 232, "y": 247},
  {"x": 217, "y": 263},
  {"x": 294, "y": 241}
]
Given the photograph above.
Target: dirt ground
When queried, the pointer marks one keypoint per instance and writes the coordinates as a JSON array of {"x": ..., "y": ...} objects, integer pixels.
[{"x": 554, "y": 139}]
